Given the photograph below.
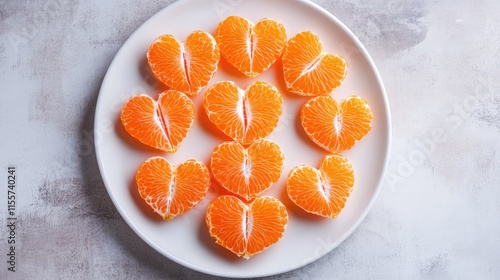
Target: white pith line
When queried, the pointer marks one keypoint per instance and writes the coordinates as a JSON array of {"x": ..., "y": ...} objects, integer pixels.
[
  {"x": 171, "y": 191},
  {"x": 247, "y": 167},
  {"x": 243, "y": 110},
  {"x": 162, "y": 123},
  {"x": 311, "y": 67},
  {"x": 240, "y": 111},
  {"x": 246, "y": 225},
  {"x": 185, "y": 60},
  {"x": 337, "y": 124},
  {"x": 248, "y": 115},
  {"x": 324, "y": 188},
  {"x": 251, "y": 41}
]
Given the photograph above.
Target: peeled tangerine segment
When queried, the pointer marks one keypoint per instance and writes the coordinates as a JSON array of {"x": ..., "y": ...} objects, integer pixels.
[
  {"x": 186, "y": 67},
  {"x": 172, "y": 190},
  {"x": 251, "y": 48},
  {"x": 246, "y": 229},
  {"x": 161, "y": 124},
  {"x": 308, "y": 70},
  {"x": 336, "y": 127},
  {"x": 249, "y": 171},
  {"x": 244, "y": 115},
  {"x": 322, "y": 192}
]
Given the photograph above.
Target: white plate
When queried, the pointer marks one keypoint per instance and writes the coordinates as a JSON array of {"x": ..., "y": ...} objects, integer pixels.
[{"x": 185, "y": 239}]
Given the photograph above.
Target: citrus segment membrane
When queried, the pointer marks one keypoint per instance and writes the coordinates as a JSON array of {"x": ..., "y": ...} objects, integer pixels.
[
  {"x": 250, "y": 171},
  {"x": 244, "y": 115},
  {"x": 246, "y": 229},
  {"x": 322, "y": 192},
  {"x": 186, "y": 67},
  {"x": 172, "y": 190},
  {"x": 162, "y": 125},
  {"x": 336, "y": 127},
  {"x": 251, "y": 48},
  {"x": 308, "y": 70}
]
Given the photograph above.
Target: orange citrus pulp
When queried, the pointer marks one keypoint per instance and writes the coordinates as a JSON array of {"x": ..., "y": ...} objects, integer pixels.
[
  {"x": 244, "y": 115},
  {"x": 308, "y": 70},
  {"x": 172, "y": 190},
  {"x": 246, "y": 229},
  {"x": 184, "y": 67},
  {"x": 162, "y": 125},
  {"x": 322, "y": 192},
  {"x": 251, "y": 48},
  {"x": 336, "y": 127}
]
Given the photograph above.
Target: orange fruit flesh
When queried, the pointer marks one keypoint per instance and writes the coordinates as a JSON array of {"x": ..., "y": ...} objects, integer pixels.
[
  {"x": 251, "y": 48},
  {"x": 139, "y": 118},
  {"x": 162, "y": 125},
  {"x": 322, "y": 192},
  {"x": 184, "y": 67},
  {"x": 250, "y": 171},
  {"x": 234, "y": 38},
  {"x": 176, "y": 113},
  {"x": 336, "y": 127},
  {"x": 264, "y": 108},
  {"x": 244, "y": 116},
  {"x": 171, "y": 191},
  {"x": 309, "y": 71},
  {"x": 202, "y": 59},
  {"x": 166, "y": 60},
  {"x": 246, "y": 229},
  {"x": 223, "y": 103}
]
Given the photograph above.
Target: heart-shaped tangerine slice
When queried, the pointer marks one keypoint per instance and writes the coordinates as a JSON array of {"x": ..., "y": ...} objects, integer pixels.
[
  {"x": 184, "y": 67},
  {"x": 250, "y": 171},
  {"x": 333, "y": 126},
  {"x": 243, "y": 115},
  {"x": 162, "y": 125},
  {"x": 322, "y": 192},
  {"x": 246, "y": 229},
  {"x": 308, "y": 70},
  {"x": 172, "y": 190},
  {"x": 251, "y": 48}
]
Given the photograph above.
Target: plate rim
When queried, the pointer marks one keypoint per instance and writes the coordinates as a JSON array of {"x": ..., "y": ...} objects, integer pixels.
[{"x": 348, "y": 233}]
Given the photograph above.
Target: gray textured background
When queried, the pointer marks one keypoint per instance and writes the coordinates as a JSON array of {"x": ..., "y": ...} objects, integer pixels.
[{"x": 437, "y": 217}]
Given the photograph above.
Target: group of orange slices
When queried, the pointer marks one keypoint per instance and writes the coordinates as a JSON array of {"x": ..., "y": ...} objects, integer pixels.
[{"x": 245, "y": 222}]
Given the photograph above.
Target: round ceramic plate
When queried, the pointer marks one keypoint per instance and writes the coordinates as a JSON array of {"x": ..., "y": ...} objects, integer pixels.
[{"x": 185, "y": 239}]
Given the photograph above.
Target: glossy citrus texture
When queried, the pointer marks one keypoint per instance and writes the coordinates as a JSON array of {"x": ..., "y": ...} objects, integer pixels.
[
  {"x": 172, "y": 190},
  {"x": 184, "y": 67},
  {"x": 250, "y": 171},
  {"x": 308, "y": 70},
  {"x": 251, "y": 48},
  {"x": 336, "y": 127},
  {"x": 322, "y": 192},
  {"x": 246, "y": 229},
  {"x": 243, "y": 115},
  {"x": 162, "y": 125}
]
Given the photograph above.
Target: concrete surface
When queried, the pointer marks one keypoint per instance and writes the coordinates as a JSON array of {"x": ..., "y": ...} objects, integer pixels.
[{"x": 438, "y": 216}]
